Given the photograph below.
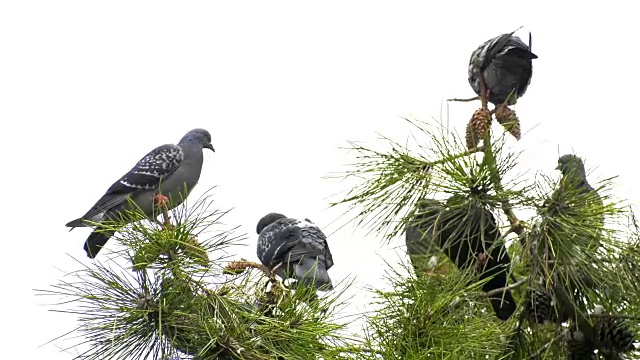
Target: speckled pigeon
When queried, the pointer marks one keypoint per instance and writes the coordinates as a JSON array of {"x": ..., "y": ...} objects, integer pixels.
[
  {"x": 466, "y": 232},
  {"x": 505, "y": 63},
  {"x": 299, "y": 245},
  {"x": 168, "y": 170}
]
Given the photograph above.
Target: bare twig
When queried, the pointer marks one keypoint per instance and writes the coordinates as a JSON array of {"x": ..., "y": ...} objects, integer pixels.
[
  {"x": 465, "y": 100},
  {"x": 504, "y": 289},
  {"x": 483, "y": 89},
  {"x": 275, "y": 268}
]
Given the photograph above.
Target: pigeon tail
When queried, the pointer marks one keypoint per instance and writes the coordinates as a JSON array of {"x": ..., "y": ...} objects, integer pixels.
[
  {"x": 308, "y": 274},
  {"x": 503, "y": 304},
  {"x": 504, "y": 307},
  {"x": 96, "y": 241},
  {"x": 79, "y": 222},
  {"x": 523, "y": 53}
]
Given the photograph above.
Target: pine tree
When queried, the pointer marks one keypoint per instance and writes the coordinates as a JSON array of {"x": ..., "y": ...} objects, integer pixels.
[
  {"x": 574, "y": 268},
  {"x": 163, "y": 296}
]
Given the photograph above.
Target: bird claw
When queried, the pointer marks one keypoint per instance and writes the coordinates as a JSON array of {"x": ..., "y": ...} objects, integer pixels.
[
  {"x": 160, "y": 200},
  {"x": 481, "y": 260}
]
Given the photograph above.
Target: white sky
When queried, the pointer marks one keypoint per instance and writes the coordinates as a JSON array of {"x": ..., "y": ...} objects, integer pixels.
[{"x": 87, "y": 88}]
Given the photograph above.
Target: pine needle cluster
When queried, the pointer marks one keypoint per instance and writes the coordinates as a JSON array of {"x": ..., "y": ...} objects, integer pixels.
[
  {"x": 170, "y": 293},
  {"x": 574, "y": 268}
]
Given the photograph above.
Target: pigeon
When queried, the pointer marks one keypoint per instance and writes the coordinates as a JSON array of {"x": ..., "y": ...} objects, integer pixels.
[
  {"x": 299, "y": 246},
  {"x": 572, "y": 169},
  {"x": 505, "y": 64},
  {"x": 574, "y": 184},
  {"x": 417, "y": 234},
  {"x": 574, "y": 178},
  {"x": 465, "y": 234},
  {"x": 168, "y": 170}
]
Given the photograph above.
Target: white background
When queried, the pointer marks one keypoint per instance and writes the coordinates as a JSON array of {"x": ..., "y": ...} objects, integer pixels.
[{"x": 87, "y": 88}]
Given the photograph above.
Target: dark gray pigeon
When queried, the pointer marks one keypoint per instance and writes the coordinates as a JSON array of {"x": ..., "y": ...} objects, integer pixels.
[
  {"x": 168, "y": 170},
  {"x": 572, "y": 169},
  {"x": 467, "y": 235},
  {"x": 573, "y": 194},
  {"x": 574, "y": 177},
  {"x": 505, "y": 63},
  {"x": 419, "y": 232},
  {"x": 300, "y": 245}
]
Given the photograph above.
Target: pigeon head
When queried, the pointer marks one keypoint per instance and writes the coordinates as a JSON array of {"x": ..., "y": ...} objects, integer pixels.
[
  {"x": 570, "y": 164},
  {"x": 268, "y": 220},
  {"x": 198, "y": 136}
]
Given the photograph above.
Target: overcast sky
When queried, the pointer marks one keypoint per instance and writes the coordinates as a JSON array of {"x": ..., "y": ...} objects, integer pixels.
[{"x": 87, "y": 88}]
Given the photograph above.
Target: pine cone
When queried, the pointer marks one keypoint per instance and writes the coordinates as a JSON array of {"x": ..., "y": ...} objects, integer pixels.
[
  {"x": 614, "y": 334},
  {"x": 538, "y": 306},
  {"x": 472, "y": 139},
  {"x": 577, "y": 348},
  {"x": 481, "y": 121},
  {"x": 509, "y": 120},
  {"x": 477, "y": 127}
]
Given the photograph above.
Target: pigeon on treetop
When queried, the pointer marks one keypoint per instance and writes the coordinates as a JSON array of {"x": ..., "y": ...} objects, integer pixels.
[
  {"x": 467, "y": 235},
  {"x": 299, "y": 246},
  {"x": 505, "y": 64},
  {"x": 572, "y": 169},
  {"x": 166, "y": 174},
  {"x": 574, "y": 177}
]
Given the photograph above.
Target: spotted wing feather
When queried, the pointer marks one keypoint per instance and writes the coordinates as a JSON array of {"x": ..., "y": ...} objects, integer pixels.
[
  {"x": 145, "y": 175},
  {"x": 275, "y": 241},
  {"x": 315, "y": 242}
]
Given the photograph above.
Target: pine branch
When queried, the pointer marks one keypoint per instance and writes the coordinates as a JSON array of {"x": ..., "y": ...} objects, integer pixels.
[
  {"x": 504, "y": 289},
  {"x": 497, "y": 181},
  {"x": 465, "y": 100},
  {"x": 431, "y": 164},
  {"x": 170, "y": 304}
]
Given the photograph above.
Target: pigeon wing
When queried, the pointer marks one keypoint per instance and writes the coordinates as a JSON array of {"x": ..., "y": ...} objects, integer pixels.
[
  {"x": 275, "y": 241},
  {"x": 145, "y": 175}
]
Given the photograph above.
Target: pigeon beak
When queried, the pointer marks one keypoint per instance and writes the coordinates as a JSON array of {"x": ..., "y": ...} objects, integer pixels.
[
  {"x": 558, "y": 167},
  {"x": 210, "y": 147}
]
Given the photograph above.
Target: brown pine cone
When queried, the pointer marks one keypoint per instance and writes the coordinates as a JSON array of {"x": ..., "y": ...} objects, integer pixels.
[
  {"x": 481, "y": 121},
  {"x": 509, "y": 120},
  {"x": 477, "y": 127},
  {"x": 471, "y": 138}
]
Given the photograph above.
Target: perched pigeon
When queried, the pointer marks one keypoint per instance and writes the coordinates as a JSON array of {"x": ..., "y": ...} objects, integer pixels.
[
  {"x": 505, "y": 63},
  {"x": 168, "y": 170},
  {"x": 418, "y": 232},
  {"x": 465, "y": 234},
  {"x": 574, "y": 177},
  {"x": 574, "y": 184},
  {"x": 299, "y": 245},
  {"x": 572, "y": 169}
]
